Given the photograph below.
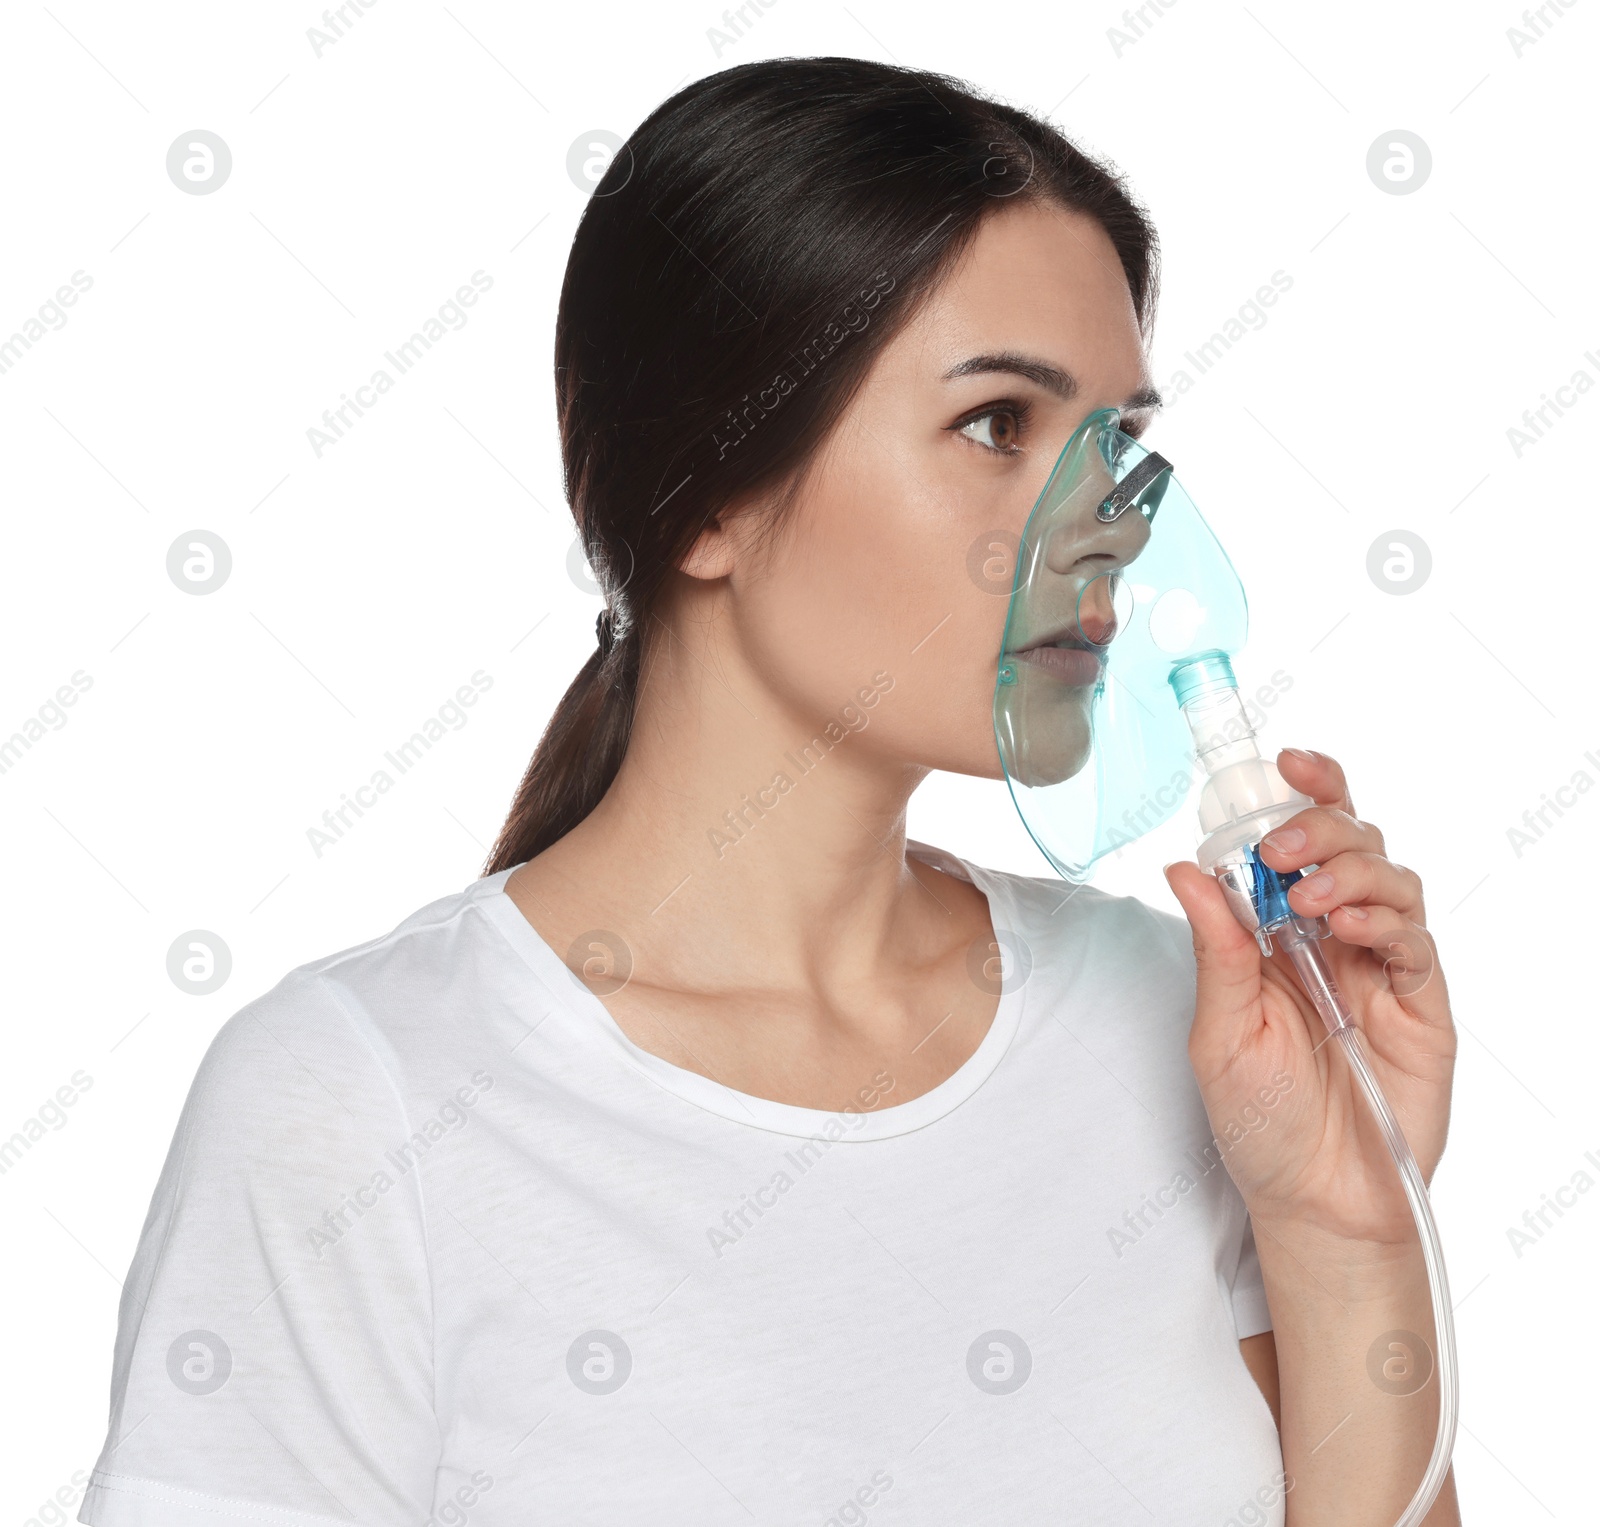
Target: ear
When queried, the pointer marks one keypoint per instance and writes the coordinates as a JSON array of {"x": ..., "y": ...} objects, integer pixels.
[
  {"x": 713, "y": 554},
  {"x": 728, "y": 539}
]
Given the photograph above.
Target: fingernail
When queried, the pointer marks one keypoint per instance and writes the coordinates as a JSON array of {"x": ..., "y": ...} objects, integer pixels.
[
  {"x": 1286, "y": 840},
  {"x": 1359, "y": 913},
  {"x": 1318, "y": 886},
  {"x": 1301, "y": 754}
]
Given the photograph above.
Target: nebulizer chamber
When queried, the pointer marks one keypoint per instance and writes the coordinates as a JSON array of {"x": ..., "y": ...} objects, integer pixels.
[
  {"x": 1103, "y": 743},
  {"x": 1243, "y": 799}
]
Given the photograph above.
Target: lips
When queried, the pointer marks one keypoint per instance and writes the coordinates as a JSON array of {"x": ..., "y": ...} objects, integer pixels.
[
  {"x": 1076, "y": 652},
  {"x": 1073, "y": 662}
]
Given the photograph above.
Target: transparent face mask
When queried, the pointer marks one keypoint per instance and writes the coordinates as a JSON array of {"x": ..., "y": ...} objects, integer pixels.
[{"x": 1119, "y": 580}]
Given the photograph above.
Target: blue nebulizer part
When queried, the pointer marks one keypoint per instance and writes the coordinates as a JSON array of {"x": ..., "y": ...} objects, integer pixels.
[
  {"x": 1124, "y": 601},
  {"x": 1269, "y": 891}
]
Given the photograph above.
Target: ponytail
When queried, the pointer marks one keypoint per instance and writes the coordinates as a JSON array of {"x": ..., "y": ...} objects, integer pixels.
[{"x": 577, "y": 757}]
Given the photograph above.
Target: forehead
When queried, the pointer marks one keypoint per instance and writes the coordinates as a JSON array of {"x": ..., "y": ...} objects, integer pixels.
[{"x": 1043, "y": 279}]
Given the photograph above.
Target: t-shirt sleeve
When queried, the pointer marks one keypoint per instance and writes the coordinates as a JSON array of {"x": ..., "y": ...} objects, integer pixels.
[
  {"x": 1249, "y": 1290},
  {"x": 274, "y": 1346}
]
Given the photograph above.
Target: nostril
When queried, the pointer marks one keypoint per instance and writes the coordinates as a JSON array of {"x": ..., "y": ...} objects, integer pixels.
[
  {"x": 1101, "y": 609},
  {"x": 1097, "y": 629}
]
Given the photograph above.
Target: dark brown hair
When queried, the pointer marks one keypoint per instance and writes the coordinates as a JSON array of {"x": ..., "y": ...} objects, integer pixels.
[{"x": 747, "y": 254}]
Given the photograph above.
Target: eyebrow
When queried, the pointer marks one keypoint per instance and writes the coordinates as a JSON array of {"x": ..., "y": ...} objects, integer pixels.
[{"x": 1051, "y": 378}]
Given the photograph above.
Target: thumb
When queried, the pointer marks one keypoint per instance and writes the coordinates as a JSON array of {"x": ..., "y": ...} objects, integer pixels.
[{"x": 1227, "y": 967}]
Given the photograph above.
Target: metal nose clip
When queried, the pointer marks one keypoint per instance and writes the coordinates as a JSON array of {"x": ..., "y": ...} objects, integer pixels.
[{"x": 1132, "y": 488}]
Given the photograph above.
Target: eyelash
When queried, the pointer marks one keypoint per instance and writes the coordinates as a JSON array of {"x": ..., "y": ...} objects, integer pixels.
[{"x": 1019, "y": 410}]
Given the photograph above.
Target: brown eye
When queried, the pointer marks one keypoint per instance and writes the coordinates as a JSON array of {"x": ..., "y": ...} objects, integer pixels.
[{"x": 999, "y": 430}]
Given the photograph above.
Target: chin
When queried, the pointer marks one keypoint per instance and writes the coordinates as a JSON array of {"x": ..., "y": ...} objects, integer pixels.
[
  {"x": 1049, "y": 726},
  {"x": 1052, "y": 761}
]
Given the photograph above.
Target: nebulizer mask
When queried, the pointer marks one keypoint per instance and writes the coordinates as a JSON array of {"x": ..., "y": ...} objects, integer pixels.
[{"x": 1116, "y": 695}]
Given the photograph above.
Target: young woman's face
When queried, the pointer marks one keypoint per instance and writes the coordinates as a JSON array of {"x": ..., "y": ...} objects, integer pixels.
[{"x": 894, "y": 568}]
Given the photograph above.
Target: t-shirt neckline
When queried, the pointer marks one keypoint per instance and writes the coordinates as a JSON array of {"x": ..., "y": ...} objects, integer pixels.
[{"x": 595, "y": 1026}]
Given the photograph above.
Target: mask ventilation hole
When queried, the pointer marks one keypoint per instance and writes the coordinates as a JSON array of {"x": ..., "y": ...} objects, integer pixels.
[{"x": 1175, "y": 620}]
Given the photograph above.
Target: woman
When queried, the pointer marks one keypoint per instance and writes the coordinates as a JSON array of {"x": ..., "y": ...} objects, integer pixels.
[{"x": 721, "y": 1155}]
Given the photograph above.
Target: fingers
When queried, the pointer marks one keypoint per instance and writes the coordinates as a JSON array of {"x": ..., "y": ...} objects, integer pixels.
[
  {"x": 1350, "y": 854},
  {"x": 1359, "y": 880},
  {"x": 1316, "y": 775},
  {"x": 1316, "y": 835},
  {"x": 1227, "y": 967},
  {"x": 1406, "y": 952}
]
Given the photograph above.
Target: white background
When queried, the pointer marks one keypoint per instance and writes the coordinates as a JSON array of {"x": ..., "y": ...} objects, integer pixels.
[{"x": 368, "y": 183}]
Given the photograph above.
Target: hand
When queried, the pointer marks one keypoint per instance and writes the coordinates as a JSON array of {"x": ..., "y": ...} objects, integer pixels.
[{"x": 1320, "y": 1159}]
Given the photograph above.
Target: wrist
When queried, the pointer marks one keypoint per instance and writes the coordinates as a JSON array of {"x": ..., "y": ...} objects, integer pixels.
[
  {"x": 1372, "y": 1224},
  {"x": 1354, "y": 1269}
]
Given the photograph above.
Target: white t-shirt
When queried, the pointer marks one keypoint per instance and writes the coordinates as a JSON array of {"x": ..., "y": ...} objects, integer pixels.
[{"x": 436, "y": 1242}]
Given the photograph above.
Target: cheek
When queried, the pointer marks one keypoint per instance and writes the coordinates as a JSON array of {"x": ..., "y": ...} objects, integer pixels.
[
  {"x": 842, "y": 593},
  {"x": 881, "y": 576},
  {"x": 943, "y": 607}
]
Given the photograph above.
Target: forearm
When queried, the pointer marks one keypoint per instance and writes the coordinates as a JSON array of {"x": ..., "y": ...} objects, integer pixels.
[{"x": 1359, "y": 1404}]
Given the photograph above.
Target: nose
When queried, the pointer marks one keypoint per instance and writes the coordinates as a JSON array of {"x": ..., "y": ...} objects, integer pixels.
[
  {"x": 1079, "y": 541},
  {"x": 1083, "y": 553}
]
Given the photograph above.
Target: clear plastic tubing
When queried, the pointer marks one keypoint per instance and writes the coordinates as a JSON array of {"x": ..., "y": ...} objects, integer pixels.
[{"x": 1243, "y": 799}]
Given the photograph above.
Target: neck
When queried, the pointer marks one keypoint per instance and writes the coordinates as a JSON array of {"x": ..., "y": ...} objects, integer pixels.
[{"x": 745, "y": 822}]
